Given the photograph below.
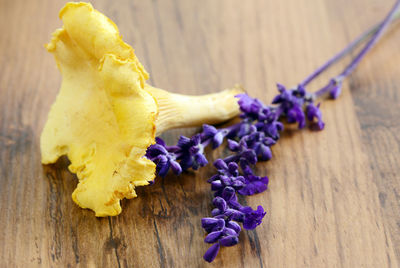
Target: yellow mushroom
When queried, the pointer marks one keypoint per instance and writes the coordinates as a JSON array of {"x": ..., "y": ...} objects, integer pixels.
[{"x": 106, "y": 115}]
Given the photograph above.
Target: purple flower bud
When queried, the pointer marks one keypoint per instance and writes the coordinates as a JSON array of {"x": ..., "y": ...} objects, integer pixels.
[
  {"x": 229, "y": 231},
  {"x": 216, "y": 211},
  {"x": 228, "y": 193},
  {"x": 164, "y": 157},
  {"x": 249, "y": 106},
  {"x": 218, "y": 139},
  {"x": 235, "y": 205},
  {"x": 183, "y": 141},
  {"x": 216, "y": 185},
  {"x": 220, "y": 164},
  {"x": 234, "y": 214},
  {"x": 217, "y": 136},
  {"x": 155, "y": 150},
  {"x": 301, "y": 91},
  {"x": 213, "y": 178},
  {"x": 233, "y": 168},
  {"x": 270, "y": 129},
  {"x": 313, "y": 112},
  {"x": 237, "y": 184},
  {"x": 213, "y": 237},
  {"x": 244, "y": 129},
  {"x": 234, "y": 226},
  {"x": 229, "y": 241},
  {"x": 335, "y": 88},
  {"x": 163, "y": 166},
  {"x": 229, "y": 212},
  {"x": 247, "y": 171},
  {"x": 212, "y": 223},
  {"x": 264, "y": 114},
  {"x": 219, "y": 203},
  {"x": 296, "y": 114},
  {"x": 233, "y": 145},
  {"x": 226, "y": 180},
  {"x": 250, "y": 156},
  {"x": 211, "y": 252},
  {"x": 160, "y": 141},
  {"x": 209, "y": 131},
  {"x": 281, "y": 88},
  {"x": 264, "y": 152},
  {"x": 176, "y": 168},
  {"x": 277, "y": 99},
  {"x": 269, "y": 141}
]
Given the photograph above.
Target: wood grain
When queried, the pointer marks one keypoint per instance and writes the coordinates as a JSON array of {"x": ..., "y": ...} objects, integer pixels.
[{"x": 334, "y": 196}]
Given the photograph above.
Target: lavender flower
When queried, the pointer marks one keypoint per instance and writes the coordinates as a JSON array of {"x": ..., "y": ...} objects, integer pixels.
[
  {"x": 244, "y": 156},
  {"x": 217, "y": 136},
  {"x": 164, "y": 157},
  {"x": 228, "y": 175},
  {"x": 250, "y": 107},
  {"x": 335, "y": 88},
  {"x": 260, "y": 144},
  {"x": 291, "y": 104},
  {"x": 313, "y": 112},
  {"x": 191, "y": 152},
  {"x": 250, "y": 141},
  {"x": 188, "y": 153},
  {"x": 254, "y": 185},
  {"x": 252, "y": 218},
  {"x": 212, "y": 252}
]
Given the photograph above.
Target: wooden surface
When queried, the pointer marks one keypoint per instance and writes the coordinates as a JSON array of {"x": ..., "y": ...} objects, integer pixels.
[{"x": 334, "y": 196}]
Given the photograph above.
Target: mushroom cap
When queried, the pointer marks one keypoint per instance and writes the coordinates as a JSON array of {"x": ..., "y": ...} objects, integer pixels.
[{"x": 103, "y": 118}]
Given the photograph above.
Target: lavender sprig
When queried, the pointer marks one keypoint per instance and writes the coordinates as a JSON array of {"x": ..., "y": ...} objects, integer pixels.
[{"x": 250, "y": 141}]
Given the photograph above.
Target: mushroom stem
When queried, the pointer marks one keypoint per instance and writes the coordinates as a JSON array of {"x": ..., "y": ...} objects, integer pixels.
[{"x": 178, "y": 111}]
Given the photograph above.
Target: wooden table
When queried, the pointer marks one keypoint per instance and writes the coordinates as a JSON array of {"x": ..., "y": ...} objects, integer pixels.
[{"x": 334, "y": 196}]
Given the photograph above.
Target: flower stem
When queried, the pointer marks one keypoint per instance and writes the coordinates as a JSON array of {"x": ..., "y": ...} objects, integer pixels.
[
  {"x": 371, "y": 43},
  {"x": 206, "y": 142},
  {"x": 393, "y": 14},
  {"x": 345, "y": 51}
]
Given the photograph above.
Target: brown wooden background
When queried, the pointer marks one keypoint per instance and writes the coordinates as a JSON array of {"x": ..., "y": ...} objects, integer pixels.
[{"x": 334, "y": 196}]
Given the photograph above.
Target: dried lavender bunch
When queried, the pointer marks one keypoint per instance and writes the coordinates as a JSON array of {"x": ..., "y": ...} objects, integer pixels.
[{"x": 250, "y": 141}]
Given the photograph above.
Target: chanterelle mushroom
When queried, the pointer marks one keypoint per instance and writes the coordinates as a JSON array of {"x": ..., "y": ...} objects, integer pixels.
[{"x": 105, "y": 115}]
